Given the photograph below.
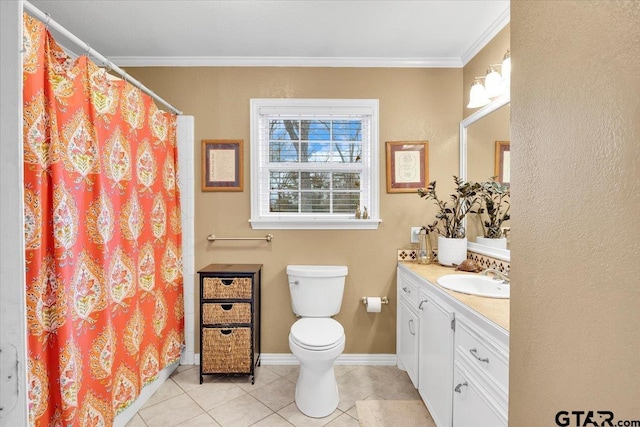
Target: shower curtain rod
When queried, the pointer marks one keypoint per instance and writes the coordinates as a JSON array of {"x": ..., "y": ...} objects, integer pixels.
[{"x": 46, "y": 19}]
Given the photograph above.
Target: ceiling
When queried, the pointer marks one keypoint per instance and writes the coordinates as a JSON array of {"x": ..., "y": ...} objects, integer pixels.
[{"x": 443, "y": 33}]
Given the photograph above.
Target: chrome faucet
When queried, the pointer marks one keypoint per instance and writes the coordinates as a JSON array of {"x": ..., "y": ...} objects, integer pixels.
[{"x": 497, "y": 275}]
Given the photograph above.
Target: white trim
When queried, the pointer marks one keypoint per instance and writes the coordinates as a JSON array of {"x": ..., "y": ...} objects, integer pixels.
[
  {"x": 284, "y": 61},
  {"x": 304, "y": 61},
  {"x": 260, "y": 107},
  {"x": 186, "y": 182},
  {"x": 13, "y": 333},
  {"x": 474, "y": 117},
  {"x": 278, "y": 359},
  {"x": 487, "y": 36},
  {"x": 344, "y": 359},
  {"x": 501, "y": 254},
  {"x": 316, "y": 224},
  {"x": 125, "y": 416},
  {"x": 367, "y": 359}
]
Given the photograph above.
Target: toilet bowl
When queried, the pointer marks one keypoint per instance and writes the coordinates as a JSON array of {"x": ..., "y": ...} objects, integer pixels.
[
  {"x": 316, "y": 343},
  {"x": 316, "y": 339}
]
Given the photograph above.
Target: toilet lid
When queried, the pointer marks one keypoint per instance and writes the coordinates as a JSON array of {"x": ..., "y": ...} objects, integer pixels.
[{"x": 317, "y": 331}]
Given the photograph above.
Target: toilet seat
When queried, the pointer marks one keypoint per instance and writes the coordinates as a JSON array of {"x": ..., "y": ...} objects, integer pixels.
[{"x": 317, "y": 333}]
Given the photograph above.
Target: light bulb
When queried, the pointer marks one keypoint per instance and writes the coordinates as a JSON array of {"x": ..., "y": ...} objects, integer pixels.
[
  {"x": 506, "y": 69},
  {"x": 478, "y": 96},
  {"x": 492, "y": 83}
]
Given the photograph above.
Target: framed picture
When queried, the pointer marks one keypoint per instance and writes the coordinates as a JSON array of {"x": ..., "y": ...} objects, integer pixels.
[
  {"x": 222, "y": 164},
  {"x": 407, "y": 166},
  {"x": 502, "y": 169}
]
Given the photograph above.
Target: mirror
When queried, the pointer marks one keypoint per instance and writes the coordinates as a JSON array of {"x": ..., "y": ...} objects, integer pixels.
[{"x": 484, "y": 152}]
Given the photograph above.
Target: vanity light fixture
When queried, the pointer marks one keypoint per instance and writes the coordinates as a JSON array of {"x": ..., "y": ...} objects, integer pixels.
[
  {"x": 506, "y": 69},
  {"x": 478, "y": 96},
  {"x": 494, "y": 84}
]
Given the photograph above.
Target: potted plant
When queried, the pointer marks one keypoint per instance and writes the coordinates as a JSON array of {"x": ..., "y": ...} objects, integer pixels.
[
  {"x": 495, "y": 197},
  {"x": 452, "y": 240}
]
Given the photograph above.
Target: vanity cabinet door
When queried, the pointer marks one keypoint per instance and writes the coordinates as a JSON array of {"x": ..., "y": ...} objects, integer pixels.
[
  {"x": 408, "y": 335},
  {"x": 472, "y": 403},
  {"x": 436, "y": 357}
]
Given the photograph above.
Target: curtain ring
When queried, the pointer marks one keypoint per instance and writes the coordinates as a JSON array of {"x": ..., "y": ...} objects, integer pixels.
[
  {"x": 48, "y": 15},
  {"x": 87, "y": 49},
  {"x": 106, "y": 67}
]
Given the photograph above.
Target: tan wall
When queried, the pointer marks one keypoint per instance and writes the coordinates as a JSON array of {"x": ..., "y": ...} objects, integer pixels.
[
  {"x": 491, "y": 54},
  {"x": 575, "y": 340},
  {"x": 415, "y": 104}
]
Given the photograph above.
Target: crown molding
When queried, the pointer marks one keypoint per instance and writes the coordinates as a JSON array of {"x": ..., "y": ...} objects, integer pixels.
[
  {"x": 282, "y": 61},
  {"x": 487, "y": 36}
]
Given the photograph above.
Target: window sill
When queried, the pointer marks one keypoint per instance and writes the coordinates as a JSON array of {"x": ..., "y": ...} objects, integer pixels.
[{"x": 315, "y": 224}]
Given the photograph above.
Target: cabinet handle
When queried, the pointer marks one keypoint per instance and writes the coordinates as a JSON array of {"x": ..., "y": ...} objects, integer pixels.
[
  {"x": 226, "y": 307},
  {"x": 459, "y": 386},
  {"x": 226, "y": 331},
  {"x": 406, "y": 290},
  {"x": 410, "y": 331},
  {"x": 422, "y": 302},
  {"x": 227, "y": 282},
  {"x": 474, "y": 352}
]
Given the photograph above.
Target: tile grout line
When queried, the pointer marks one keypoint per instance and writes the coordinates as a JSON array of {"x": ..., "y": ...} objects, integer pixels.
[
  {"x": 249, "y": 391},
  {"x": 200, "y": 406},
  {"x": 245, "y": 393},
  {"x": 267, "y": 415}
]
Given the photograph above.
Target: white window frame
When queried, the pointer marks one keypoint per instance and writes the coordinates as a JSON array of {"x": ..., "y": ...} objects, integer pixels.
[{"x": 305, "y": 108}]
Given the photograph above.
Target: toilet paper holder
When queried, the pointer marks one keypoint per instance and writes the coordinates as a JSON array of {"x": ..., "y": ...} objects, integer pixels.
[{"x": 383, "y": 300}]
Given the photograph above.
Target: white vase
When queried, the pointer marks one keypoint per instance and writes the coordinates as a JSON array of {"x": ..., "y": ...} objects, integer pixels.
[
  {"x": 451, "y": 251},
  {"x": 500, "y": 243}
]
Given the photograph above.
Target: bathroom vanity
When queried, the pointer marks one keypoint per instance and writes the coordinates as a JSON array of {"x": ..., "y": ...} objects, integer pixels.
[{"x": 454, "y": 347}]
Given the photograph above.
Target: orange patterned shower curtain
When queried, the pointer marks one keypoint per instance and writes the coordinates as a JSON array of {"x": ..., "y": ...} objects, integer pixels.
[{"x": 103, "y": 238}]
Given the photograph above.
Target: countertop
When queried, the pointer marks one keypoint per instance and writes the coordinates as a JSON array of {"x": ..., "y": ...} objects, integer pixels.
[{"x": 494, "y": 309}]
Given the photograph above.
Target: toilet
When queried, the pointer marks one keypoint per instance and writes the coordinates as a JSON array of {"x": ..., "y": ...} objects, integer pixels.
[{"x": 316, "y": 339}]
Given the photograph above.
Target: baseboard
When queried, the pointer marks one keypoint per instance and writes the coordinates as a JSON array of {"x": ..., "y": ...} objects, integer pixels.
[
  {"x": 188, "y": 358},
  {"x": 367, "y": 359},
  {"x": 278, "y": 359},
  {"x": 343, "y": 359}
]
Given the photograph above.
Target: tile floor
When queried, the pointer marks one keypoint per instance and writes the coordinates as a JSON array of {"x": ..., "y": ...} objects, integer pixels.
[{"x": 234, "y": 402}]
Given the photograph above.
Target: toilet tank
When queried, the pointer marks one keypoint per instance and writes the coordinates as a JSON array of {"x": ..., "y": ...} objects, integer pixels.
[{"x": 316, "y": 290}]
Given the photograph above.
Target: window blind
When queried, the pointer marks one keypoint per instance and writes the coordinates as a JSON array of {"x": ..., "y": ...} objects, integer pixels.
[{"x": 313, "y": 165}]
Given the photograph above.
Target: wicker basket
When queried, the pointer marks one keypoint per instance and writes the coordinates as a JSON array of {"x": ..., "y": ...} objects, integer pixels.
[
  {"x": 216, "y": 313},
  {"x": 226, "y": 350},
  {"x": 216, "y": 287}
]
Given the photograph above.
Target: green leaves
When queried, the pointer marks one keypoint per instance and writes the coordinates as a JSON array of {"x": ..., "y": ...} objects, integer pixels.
[
  {"x": 469, "y": 197},
  {"x": 465, "y": 197},
  {"x": 496, "y": 198}
]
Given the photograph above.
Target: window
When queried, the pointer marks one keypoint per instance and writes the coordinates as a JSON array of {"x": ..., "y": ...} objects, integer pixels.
[{"x": 313, "y": 163}]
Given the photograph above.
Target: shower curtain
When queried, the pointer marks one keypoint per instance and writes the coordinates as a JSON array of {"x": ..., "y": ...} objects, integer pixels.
[{"x": 103, "y": 237}]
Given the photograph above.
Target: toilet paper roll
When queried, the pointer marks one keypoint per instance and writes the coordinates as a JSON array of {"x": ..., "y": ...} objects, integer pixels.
[{"x": 374, "y": 304}]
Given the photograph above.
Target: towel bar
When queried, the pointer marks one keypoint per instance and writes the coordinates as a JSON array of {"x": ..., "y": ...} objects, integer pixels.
[{"x": 213, "y": 238}]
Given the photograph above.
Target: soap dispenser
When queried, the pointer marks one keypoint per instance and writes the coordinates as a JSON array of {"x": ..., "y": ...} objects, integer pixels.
[{"x": 425, "y": 251}]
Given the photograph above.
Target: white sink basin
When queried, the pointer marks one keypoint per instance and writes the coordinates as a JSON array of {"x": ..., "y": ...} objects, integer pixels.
[{"x": 475, "y": 285}]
